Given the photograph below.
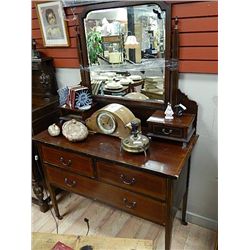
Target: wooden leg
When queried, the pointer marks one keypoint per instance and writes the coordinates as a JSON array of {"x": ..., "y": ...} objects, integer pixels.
[
  {"x": 54, "y": 202},
  {"x": 168, "y": 234},
  {"x": 185, "y": 197},
  {"x": 38, "y": 186},
  {"x": 184, "y": 210},
  {"x": 38, "y": 191},
  {"x": 169, "y": 216}
]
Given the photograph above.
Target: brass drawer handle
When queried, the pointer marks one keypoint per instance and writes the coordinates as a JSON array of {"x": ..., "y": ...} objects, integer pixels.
[
  {"x": 167, "y": 132},
  {"x": 69, "y": 183},
  {"x": 65, "y": 163},
  {"x": 125, "y": 181},
  {"x": 128, "y": 204}
]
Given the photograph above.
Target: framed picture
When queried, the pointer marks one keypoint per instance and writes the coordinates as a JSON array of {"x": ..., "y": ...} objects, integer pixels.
[{"x": 52, "y": 24}]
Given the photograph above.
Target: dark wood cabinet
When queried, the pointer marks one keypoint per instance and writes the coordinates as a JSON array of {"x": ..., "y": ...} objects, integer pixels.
[
  {"x": 44, "y": 113},
  {"x": 151, "y": 187},
  {"x": 43, "y": 77}
]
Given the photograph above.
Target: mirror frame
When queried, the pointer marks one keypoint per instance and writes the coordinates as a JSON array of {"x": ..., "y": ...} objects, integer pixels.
[{"x": 85, "y": 76}]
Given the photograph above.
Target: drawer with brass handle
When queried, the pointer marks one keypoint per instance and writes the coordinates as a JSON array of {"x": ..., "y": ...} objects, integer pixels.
[
  {"x": 67, "y": 160},
  {"x": 169, "y": 131},
  {"x": 69, "y": 181},
  {"x": 141, "y": 182},
  {"x": 118, "y": 197},
  {"x": 180, "y": 129},
  {"x": 134, "y": 203}
]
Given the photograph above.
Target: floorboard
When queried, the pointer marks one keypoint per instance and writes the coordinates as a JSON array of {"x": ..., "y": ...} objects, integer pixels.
[{"x": 110, "y": 222}]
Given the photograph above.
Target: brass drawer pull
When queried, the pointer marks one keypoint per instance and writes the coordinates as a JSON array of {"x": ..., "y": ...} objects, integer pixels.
[
  {"x": 64, "y": 163},
  {"x": 167, "y": 132},
  {"x": 125, "y": 181},
  {"x": 69, "y": 183},
  {"x": 129, "y": 204}
]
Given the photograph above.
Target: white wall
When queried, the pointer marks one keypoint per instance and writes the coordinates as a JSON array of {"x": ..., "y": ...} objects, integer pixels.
[
  {"x": 67, "y": 77},
  {"x": 203, "y": 196},
  {"x": 202, "y": 88}
]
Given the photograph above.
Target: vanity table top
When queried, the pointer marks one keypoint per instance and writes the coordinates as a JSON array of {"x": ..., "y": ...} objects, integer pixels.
[{"x": 163, "y": 158}]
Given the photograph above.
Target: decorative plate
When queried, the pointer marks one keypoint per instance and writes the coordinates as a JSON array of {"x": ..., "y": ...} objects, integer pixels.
[
  {"x": 83, "y": 99},
  {"x": 63, "y": 94}
]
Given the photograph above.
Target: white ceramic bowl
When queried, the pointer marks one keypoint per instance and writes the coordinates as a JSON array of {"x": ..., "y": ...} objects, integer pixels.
[
  {"x": 136, "y": 96},
  {"x": 113, "y": 85},
  {"x": 135, "y": 77},
  {"x": 126, "y": 81}
]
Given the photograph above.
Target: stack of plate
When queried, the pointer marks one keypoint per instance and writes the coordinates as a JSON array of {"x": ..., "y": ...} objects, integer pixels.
[
  {"x": 135, "y": 77},
  {"x": 153, "y": 83},
  {"x": 113, "y": 85},
  {"x": 125, "y": 81}
]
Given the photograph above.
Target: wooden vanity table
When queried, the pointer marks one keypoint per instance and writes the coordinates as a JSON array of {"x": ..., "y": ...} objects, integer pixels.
[{"x": 151, "y": 187}]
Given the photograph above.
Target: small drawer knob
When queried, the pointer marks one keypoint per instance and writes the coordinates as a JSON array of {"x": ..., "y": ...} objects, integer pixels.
[
  {"x": 126, "y": 181},
  {"x": 167, "y": 131},
  {"x": 129, "y": 204},
  {"x": 64, "y": 162},
  {"x": 69, "y": 183}
]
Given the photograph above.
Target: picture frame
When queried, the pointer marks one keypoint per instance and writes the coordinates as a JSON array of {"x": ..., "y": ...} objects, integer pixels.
[{"x": 52, "y": 24}]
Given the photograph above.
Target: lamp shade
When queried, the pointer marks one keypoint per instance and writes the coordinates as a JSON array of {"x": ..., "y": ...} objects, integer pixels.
[{"x": 131, "y": 40}]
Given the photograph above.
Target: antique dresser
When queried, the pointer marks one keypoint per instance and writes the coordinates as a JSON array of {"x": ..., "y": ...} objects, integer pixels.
[{"x": 153, "y": 185}]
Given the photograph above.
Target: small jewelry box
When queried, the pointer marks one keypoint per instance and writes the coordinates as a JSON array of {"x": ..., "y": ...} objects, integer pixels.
[{"x": 180, "y": 129}]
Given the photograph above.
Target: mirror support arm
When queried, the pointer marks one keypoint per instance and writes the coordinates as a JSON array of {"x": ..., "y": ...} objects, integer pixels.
[{"x": 175, "y": 55}]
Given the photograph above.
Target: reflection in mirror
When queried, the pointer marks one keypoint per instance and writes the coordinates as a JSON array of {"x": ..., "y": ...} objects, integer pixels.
[{"x": 126, "y": 51}]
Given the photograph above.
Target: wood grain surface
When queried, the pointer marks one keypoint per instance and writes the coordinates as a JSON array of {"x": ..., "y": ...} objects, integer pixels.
[{"x": 105, "y": 221}]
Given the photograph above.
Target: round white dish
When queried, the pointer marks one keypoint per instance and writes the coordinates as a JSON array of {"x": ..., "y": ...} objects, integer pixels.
[
  {"x": 135, "y": 77},
  {"x": 113, "y": 85},
  {"x": 136, "y": 96},
  {"x": 125, "y": 81}
]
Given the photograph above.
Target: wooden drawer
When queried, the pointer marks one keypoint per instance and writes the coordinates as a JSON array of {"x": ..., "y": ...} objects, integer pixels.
[
  {"x": 71, "y": 182},
  {"x": 69, "y": 161},
  {"x": 168, "y": 131},
  {"x": 131, "y": 179},
  {"x": 133, "y": 203}
]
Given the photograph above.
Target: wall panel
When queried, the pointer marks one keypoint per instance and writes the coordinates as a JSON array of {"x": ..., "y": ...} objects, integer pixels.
[{"x": 198, "y": 28}]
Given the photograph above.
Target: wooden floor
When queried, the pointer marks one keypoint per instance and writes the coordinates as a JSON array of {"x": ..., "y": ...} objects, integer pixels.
[{"x": 110, "y": 222}]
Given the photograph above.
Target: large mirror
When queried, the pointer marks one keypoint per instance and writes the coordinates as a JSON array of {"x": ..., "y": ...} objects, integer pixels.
[{"x": 126, "y": 51}]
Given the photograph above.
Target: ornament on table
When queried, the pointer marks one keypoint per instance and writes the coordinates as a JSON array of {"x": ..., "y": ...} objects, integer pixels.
[
  {"x": 54, "y": 130},
  {"x": 169, "y": 112}
]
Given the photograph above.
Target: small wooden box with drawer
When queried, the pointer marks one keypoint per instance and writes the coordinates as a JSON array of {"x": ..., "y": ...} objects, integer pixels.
[{"x": 181, "y": 128}]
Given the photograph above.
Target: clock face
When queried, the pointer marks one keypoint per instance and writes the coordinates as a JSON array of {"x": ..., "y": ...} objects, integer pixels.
[{"x": 106, "y": 123}]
